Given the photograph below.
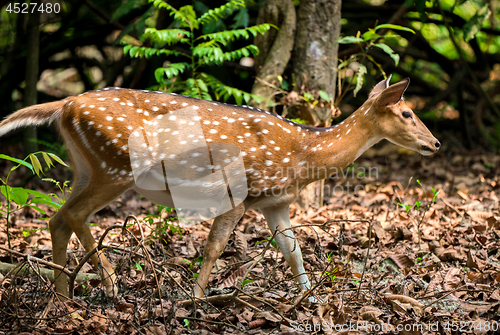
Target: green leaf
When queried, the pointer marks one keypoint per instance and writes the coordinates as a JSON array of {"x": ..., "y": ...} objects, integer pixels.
[
  {"x": 222, "y": 12},
  {"x": 47, "y": 159},
  {"x": 394, "y": 27},
  {"x": 241, "y": 19},
  {"x": 19, "y": 161},
  {"x": 51, "y": 203},
  {"x": 189, "y": 19},
  {"x": 359, "y": 78},
  {"x": 435, "y": 195},
  {"x": 224, "y": 37},
  {"x": 475, "y": 24},
  {"x": 387, "y": 49},
  {"x": 171, "y": 71},
  {"x": 308, "y": 96},
  {"x": 39, "y": 194},
  {"x": 349, "y": 39},
  {"x": 370, "y": 35},
  {"x": 325, "y": 96},
  {"x": 36, "y": 164},
  {"x": 246, "y": 281},
  {"x": 186, "y": 15},
  {"x": 17, "y": 194},
  {"x": 126, "y": 49},
  {"x": 56, "y": 158},
  {"x": 407, "y": 208},
  {"x": 217, "y": 56},
  {"x": 38, "y": 209},
  {"x": 418, "y": 204},
  {"x": 140, "y": 52},
  {"x": 166, "y": 36}
]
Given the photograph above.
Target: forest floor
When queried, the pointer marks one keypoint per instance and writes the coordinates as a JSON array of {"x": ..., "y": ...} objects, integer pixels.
[{"x": 429, "y": 268}]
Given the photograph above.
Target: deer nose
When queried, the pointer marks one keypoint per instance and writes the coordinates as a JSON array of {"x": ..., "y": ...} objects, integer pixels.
[{"x": 437, "y": 145}]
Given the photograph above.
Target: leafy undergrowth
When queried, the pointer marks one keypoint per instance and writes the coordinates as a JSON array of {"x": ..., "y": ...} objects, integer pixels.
[{"x": 424, "y": 268}]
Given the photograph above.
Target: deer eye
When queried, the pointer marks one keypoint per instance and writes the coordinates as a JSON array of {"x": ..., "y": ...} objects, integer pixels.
[{"x": 406, "y": 114}]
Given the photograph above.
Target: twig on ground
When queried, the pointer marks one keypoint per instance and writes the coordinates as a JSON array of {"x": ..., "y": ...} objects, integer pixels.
[
  {"x": 444, "y": 296},
  {"x": 220, "y": 323},
  {"x": 366, "y": 258},
  {"x": 41, "y": 261},
  {"x": 85, "y": 259}
]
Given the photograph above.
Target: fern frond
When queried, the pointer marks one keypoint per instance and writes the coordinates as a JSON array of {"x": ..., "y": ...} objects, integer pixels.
[
  {"x": 166, "y": 36},
  {"x": 185, "y": 15},
  {"x": 208, "y": 51},
  {"x": 172, "y": 70},
  {"x": 140, "y": 52},
  {"x": 162, "y": 4},
  {"x": 196, "y": 88},
  {"x": 222, "y": 12},
  {"x": 218, "y": 58},
  {"x": 227, "y": 36},
  {"x": 225, "y": 92}
]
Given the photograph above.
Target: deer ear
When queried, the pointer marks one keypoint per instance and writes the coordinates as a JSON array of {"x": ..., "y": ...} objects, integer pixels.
[
  {"x": 393, "y": 93},
  {"x": 380, "y": 87}
]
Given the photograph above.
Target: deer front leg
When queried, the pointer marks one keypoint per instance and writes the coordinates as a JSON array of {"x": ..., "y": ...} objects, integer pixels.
[
  {"x": 278, "y": 219},
  {"x": 217, "y": 239}
]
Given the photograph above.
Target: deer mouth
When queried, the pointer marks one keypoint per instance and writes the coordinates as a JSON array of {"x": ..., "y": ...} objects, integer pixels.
[{"x": 427, "y": 151}]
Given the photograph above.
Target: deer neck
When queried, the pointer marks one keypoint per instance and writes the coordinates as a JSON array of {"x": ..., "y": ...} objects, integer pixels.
[{"x": 329, "y": 150}]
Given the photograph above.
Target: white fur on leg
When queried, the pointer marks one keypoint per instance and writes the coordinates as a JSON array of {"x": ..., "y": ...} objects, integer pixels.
[{"x": 277, "y": 218}]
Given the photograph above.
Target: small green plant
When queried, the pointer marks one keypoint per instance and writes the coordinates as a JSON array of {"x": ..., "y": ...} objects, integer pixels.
[
  {"x": 246, "y": 281},
  {"x": 332, "y": 275},
  {"x": 198, "y": 261},
  {"x": 298, "y": 120},
  {"x": 199, "y": 45},
  {"x": 139, "y": 266},
  {"x": 162, "y": 227},
  {"x": 289, "y": 99},
  {"x": 19, "y": 196},
  {"x": 64, "y": 188},
  {"x": 418, "y": 207},
  {"x": 366, "y": 41}
]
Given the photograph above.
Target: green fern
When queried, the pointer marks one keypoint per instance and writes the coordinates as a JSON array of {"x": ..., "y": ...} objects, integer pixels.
[
  {"x": 224, "y": 37},
  {"x": 166, "y": 36},
  {"x": 140, "y": 52},
  {"x": 222, "y": 12},
  {"x": 171, "y": 71},
  {"x": 205, "y": 50}
]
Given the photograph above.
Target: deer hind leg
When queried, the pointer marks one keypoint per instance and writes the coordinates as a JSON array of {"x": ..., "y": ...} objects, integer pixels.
[
  {"x": 60, "y": 233},
  {"x": 217, "y": 239},
  {"x": 278, "y": 219},
  {"x": 85, "y": 199}
]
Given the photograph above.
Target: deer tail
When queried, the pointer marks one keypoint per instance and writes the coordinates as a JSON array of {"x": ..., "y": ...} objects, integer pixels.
[{"x": 32, "y": 116}]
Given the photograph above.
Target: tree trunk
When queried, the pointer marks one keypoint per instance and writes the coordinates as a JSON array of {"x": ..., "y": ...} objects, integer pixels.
[
  {"x": 30, "y": 93},
  {"x": 315, "y": 68},
  {"x": 275, "y": 47}
]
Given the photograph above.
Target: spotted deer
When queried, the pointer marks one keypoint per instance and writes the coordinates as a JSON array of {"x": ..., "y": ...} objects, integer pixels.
[{"x": 278, "y": 158}]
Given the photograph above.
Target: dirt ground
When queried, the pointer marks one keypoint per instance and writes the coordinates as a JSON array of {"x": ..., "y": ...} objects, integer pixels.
[{"x": 424, "y": 268}]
